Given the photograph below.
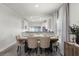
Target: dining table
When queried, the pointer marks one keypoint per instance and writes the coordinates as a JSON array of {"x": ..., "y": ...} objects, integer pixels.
[{"x": 24, "y": 39}]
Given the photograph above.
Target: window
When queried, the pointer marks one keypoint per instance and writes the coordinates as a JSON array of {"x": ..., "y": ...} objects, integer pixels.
[{"x": 35, "y": 28}]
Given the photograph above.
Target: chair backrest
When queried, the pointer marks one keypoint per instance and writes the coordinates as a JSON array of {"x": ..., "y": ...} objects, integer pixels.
[
  {"x": 18, "y": 36},
  {"x": 32, "y": 42},
  {"x": 55, "y": 44},
  {"x": 18, "y": 40},
  {"x": 45, "y": 42}
]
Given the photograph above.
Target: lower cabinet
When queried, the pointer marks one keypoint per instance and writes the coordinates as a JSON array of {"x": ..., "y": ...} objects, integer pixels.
[
  {"x": 71, "y": 49},
  {"x": 76, "y": 51}
]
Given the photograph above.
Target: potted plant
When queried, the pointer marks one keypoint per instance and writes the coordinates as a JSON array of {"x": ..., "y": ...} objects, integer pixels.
[{"x": 75, "y": 30}]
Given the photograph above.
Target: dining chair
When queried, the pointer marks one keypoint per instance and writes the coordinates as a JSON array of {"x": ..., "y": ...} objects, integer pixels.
[
  {"x": 55, "y": 46},
  {"x": 54, "y": 43},
  {"x": 19, "y": 44},
  {"x": 32, "y": 44},
  {"x": 44, "y": 44}
]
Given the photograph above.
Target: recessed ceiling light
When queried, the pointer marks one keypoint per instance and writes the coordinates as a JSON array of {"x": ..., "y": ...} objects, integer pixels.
[{"x": 36, "y": 5}]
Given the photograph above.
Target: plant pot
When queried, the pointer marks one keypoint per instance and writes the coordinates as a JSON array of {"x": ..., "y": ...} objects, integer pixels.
[
  {"x": 77, "y": 39},
  {"x": 72, "y": 37}
]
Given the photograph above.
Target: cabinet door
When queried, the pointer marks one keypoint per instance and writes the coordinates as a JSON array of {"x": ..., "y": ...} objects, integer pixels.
[
  {"x": 71, "y": 50},
  {"x": 66, "y": 49},
  {"x": 76, "y": 51}
]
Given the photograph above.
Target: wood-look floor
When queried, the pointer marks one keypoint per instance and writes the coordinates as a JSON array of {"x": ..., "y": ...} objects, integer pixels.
[{"x": 13, "y": 52}]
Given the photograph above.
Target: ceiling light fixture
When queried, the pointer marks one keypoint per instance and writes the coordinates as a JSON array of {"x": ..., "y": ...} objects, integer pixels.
[{"x": 36, "y": 5}]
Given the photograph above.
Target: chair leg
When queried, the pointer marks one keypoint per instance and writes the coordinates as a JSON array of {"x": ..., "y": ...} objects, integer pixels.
[
  {"x": 50, "y": 46},
  {"x": 20, "y": 50},
  {"x": 56, "y": 48},
  {"x": 26, "y": 47},
  {"x": 40, "y": 50},
  {"x": 36, "y": 50},
  {"x": 29, "y": 51},
  {"x": 45, "y": 51},
  {"x": 49, "y": 50},
  {"x": 17, "y": 49}
]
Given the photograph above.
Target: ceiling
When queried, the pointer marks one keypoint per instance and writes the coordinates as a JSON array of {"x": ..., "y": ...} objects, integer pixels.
[{"x": 33, "y": 9}]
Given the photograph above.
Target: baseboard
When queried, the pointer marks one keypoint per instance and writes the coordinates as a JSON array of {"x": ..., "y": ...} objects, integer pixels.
[{"x": 7, "y": 48}]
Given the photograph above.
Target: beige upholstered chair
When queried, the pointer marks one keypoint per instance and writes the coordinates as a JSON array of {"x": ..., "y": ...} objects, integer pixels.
[
  {"x": 19, "y": 40},
  {"x": 44, "y": 44},
  {"x": 19, "y": 43},
  {"x": 32, "y": 44}
]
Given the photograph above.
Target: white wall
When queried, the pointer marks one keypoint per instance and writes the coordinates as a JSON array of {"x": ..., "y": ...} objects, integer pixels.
[
  {"x": 74, "y": 13},
  {"x": 10, "y": 26}
]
